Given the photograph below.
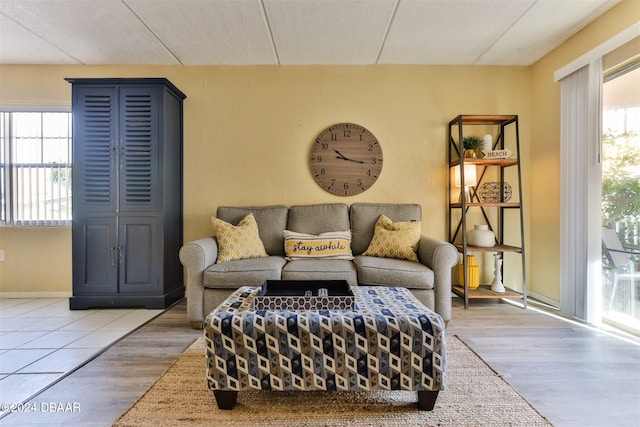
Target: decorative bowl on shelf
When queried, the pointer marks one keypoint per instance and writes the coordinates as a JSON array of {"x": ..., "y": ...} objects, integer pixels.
[
  {"x": 481, "y": 236},
  {"x": 490, "y": 192}
]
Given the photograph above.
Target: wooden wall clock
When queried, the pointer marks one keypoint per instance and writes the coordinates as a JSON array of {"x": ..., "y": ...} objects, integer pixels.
[{"x": 346, "y": 159}]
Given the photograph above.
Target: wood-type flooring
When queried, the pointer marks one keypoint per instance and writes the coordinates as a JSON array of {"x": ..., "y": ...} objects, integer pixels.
[{"x": 574, "y": 375}]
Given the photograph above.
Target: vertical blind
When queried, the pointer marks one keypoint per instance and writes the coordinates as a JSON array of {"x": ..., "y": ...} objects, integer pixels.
[
  {"x": 35, "y": 168},
  {"x": 580, "y": 191},
  {"x": 581, "y": 82}
]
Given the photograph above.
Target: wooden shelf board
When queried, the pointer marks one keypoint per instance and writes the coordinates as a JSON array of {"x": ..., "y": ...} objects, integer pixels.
[
  {"x": 483, "y": 162},
  {"x": 484, "y": 291},
  {"x": 471, "y": 119},
  {"x": 495, "y": 205},
  {"x": 497, "y": 248}
]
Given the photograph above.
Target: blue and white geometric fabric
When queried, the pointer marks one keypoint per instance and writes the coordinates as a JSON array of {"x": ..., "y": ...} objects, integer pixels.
[{"x": 390, "y": 341}]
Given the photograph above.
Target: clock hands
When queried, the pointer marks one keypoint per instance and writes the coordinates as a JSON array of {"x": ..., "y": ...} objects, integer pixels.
[{"x": 341, "y": 156}]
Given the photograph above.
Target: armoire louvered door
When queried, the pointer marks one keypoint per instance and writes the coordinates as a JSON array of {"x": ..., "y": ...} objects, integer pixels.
[
  {"x": 127, "y": 141},
  {"x": 95, "y": 123},
  {"x": 138, "y": 150}
]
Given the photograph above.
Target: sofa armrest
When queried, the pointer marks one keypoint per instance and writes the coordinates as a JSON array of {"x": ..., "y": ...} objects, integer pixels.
[
  {"x": 439, "y": 256},
  {"x": 196, "y": 257}
]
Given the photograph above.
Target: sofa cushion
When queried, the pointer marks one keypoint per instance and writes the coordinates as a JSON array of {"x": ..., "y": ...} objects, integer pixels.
[
  {"x": 395, "y": 239},
  {"x": 393, "y": 272},
  {"x": 321, "y": 269},
  {"x": 316, "y": 219},
  {"x": 245, "y": 272},
  {"x": 238, "y": 241},
  {"x": 271, "y": 220},
  {"x": 329, "y": 245},
  {"x": 365, "y": 215}
]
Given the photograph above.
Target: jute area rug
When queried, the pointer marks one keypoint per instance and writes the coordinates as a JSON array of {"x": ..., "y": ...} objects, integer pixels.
[{"x": 475, "y": 395}]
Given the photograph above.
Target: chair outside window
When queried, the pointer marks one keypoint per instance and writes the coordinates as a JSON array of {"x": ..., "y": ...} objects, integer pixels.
[{"x": 620, "y": 263}]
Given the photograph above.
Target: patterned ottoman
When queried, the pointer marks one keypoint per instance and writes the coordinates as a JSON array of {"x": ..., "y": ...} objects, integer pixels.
[{"x": 389, "y": 342}]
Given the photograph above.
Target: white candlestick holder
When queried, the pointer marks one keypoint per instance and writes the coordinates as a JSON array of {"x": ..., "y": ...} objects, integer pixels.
[{"x": 496, "y": 285}]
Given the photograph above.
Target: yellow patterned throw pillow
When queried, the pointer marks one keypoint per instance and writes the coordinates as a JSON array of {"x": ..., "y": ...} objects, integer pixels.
[
  {"x": 330, "y": 245},
  {"x": 395, "y": 239},
  {"x": 238, "y": 242}
]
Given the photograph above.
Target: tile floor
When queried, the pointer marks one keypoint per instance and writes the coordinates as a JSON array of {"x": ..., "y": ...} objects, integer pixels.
[{"x": 42, "y": 341}]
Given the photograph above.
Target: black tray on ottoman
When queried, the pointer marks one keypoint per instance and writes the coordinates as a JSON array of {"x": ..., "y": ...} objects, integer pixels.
[{"x": 290, "y": 295}]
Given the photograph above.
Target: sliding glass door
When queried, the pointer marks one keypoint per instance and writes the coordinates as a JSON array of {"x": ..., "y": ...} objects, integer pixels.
[{"x": 621, "y": 199}]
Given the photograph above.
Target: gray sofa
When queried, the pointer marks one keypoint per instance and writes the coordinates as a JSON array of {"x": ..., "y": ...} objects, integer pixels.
[{"x": 209, "y": 283}]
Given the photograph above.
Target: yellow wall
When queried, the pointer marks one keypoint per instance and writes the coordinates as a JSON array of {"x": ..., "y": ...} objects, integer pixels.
[
  {"x": 544, "y": 254},
  {"x": 36, "y": 260},
  {"x": 248, "y": 131}
]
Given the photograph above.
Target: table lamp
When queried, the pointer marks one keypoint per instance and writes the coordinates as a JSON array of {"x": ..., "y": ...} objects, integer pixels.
[{"x": 469, "y": 180}]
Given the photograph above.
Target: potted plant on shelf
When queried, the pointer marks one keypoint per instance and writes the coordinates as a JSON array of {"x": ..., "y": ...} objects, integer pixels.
[{"x": 471, "y": 144}]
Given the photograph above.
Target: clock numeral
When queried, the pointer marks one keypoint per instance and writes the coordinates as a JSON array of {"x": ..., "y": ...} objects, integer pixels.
[
  {"x": 322, "y": 171},
  {"x": 347, "y": 133},
  {"x": 346, "y": 186},
  {"x": 374, "y": 160},
  {"x": 324, "y": 146},
  {"x": 359, "y": 182},
  {"x": 334, "y": 137},
  {"x": 371, "y": 145},
  {"x": 318, "y": 159}
]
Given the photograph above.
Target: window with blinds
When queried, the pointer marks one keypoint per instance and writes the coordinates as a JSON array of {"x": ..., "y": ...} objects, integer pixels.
[{"x": 35, "y": 168}]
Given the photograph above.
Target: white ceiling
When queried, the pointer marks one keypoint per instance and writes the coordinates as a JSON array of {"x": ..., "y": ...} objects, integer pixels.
[{"x": 289, "y": 32}]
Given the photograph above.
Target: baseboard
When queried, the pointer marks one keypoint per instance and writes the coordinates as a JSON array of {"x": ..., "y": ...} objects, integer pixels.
[
  {"x": 127, "y": 300},
  {"x": 544, "y": 299},
  {"x": 35, "y": 294}
]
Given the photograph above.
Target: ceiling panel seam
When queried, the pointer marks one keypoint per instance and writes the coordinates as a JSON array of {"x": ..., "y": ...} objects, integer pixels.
[
  {"x": 43, "y": 39},
  {"x": 268, "y": 25},
  {"x": 124, "y": 2},
  {"x": 497, "y": 39},
  {"x": 386, "y": 31}
]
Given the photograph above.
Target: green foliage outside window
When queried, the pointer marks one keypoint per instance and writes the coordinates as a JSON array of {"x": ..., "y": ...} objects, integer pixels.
[
  {"x": 61, "y": 175},
  {"x": 621, "y": 178}
]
